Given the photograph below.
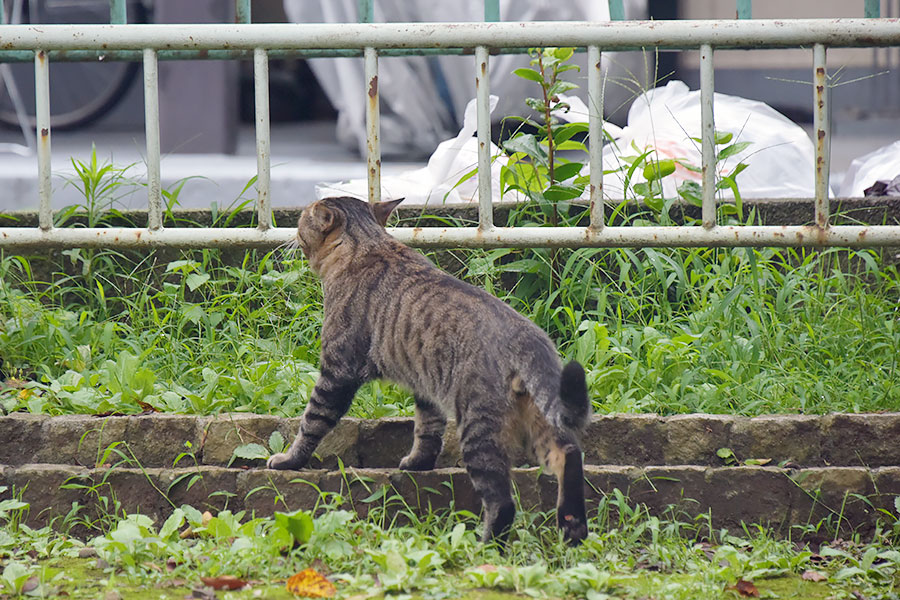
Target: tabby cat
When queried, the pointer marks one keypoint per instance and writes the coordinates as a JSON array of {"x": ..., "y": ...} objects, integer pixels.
[{"x": 389, "y": 313}]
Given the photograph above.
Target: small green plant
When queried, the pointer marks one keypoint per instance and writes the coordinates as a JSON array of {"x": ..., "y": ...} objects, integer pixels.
[
  {"x": 255, "y": 451},
  {"x": 535, "y": 167}
]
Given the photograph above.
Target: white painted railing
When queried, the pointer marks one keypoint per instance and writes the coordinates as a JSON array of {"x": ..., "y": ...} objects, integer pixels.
[{"x": 259, "y": 40}]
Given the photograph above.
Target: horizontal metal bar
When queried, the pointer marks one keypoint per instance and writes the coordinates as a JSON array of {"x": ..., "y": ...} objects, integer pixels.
[
  {"x": 468, "y": 237},
  {"x": 219, "y": 54},
  {"x": 756, "y": 33}
]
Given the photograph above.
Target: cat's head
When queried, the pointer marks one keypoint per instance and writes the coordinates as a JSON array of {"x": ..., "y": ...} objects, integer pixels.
[{"x": 325, "y": 224}]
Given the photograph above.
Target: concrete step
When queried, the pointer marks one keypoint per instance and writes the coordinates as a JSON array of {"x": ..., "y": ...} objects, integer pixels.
[
  {"x": 841, "y": 467},
  {"x": 159, "y": 440},
  {"x": 850, "y": 497}
]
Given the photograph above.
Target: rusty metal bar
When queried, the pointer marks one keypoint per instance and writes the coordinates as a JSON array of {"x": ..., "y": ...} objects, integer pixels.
[
  {"x": 822, "y": 128},
  {"x": 595, "y": 135},
  {"x": 468, "y": 237},
  {"x": 42, "y": 121},
  {"x": 263, "y": 142},
  {"x": 373, "y": 126},
  {"x": 618, "y": 35},
  {"x": 151, "y": 129},
  {"x": 483, "y": 104},
  {"x": 707, "y": 135}
]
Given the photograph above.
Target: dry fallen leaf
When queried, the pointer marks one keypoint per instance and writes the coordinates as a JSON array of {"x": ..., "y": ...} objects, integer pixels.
[
  {"x": 810, "y": 575},
  {"x": 744, "y": 588},
  {"x": 31, "y": 584},
  {"x": 487, "y": 568},
  {"x": 224, "y": 582},
  {"x": 147, "y": 408},
  {"x": 311, "y": 584},
  {"x": 205, "y": 518}
]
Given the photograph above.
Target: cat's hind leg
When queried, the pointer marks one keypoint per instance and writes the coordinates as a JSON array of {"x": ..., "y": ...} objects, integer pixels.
[
  {"x": 329, "y": 401},
  {"x": 560, "y": 453},
  {"x": 487, "y": 462},
  {"x": 430, "y": 423}
]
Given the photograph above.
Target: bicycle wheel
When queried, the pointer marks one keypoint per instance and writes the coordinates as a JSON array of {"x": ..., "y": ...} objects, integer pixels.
[{"x": 80, "y": 92}]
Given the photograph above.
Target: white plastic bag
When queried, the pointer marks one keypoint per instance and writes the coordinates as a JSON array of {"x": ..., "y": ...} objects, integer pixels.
[
  {"x": 780, "y": 157},
  {"x": 423, "y": 97},
  {"x": 881, "y": 165},
  {"x": 436, "y": 183}
]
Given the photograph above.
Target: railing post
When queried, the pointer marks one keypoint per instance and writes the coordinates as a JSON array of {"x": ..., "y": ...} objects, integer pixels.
[
  {"x": 373, "y": 126},
  {"x": 263, "y": 176},
  {"x": 483, "y": 113},
  {"x": 42, "y": 120},
  {"x": 744, "y": 9},
  {"x": 491, "y": 11},
  {"x": 873, "y": 8},
  {"x": 616, "y": 10},
  {"x": 242, "y": 11},
  {"x": 366, "y": 11},
  {"x": 151, "y": 127},
  {"x": 707, "y": 136},
  {"x": 118, "y": 12},
  {"x": 822, "y": 128},
  {"x": 595, "y": 134}
]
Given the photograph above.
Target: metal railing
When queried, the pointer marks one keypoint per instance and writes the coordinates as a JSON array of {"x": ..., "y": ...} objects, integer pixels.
[{"x": 262, "y": 41}]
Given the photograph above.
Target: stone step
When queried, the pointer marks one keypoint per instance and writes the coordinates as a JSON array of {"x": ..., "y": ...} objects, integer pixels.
[
  {"x": 161, "y": 440},
  {"x": 850, "y": 497}
]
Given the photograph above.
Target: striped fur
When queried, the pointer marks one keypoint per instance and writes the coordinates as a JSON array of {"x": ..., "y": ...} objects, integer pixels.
[{"x": 389, "y": 313}]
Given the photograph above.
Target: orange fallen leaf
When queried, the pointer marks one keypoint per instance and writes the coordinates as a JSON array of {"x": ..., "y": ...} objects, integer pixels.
[
  {"x": 810, "y": 575},
  {"x": 311, "y": 584},
  {"x": 745, "y": 588},
  {"x": 224, "y": 582},
  {"x": 147, "y": 408}
]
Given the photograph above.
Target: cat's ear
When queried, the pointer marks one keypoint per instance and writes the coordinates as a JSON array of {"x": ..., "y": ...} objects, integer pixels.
[
  {"x": 383, "y": 210},
  {"x": 326, "y": 218}
]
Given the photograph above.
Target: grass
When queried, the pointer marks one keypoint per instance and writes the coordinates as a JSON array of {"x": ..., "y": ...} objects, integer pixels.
[
  {"x": 747, "y": 331},
  {"x": 398, "y": 551}
]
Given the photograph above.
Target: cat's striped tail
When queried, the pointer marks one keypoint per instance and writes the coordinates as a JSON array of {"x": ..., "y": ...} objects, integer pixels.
[{"x": 575, "y": 406}]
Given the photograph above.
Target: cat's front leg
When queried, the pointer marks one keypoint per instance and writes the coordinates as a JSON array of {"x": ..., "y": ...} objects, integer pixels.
[
  {"x": 329, "y": 402},
  {"x": 429, "y": 437}
]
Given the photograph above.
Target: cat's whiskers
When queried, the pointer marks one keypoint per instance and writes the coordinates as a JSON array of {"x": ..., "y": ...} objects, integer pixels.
[{"x": 286, "y": 252}]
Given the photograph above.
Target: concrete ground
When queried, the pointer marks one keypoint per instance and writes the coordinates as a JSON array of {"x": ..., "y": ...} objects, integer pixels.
[{"x": 303, "y": 154}]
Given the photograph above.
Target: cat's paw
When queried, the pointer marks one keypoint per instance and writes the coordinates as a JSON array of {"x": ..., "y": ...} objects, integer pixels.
[
  {"x": 417, "y": 463},
  {"x": 574, "y": 526},
  {"x": 283, "y": 462}
]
